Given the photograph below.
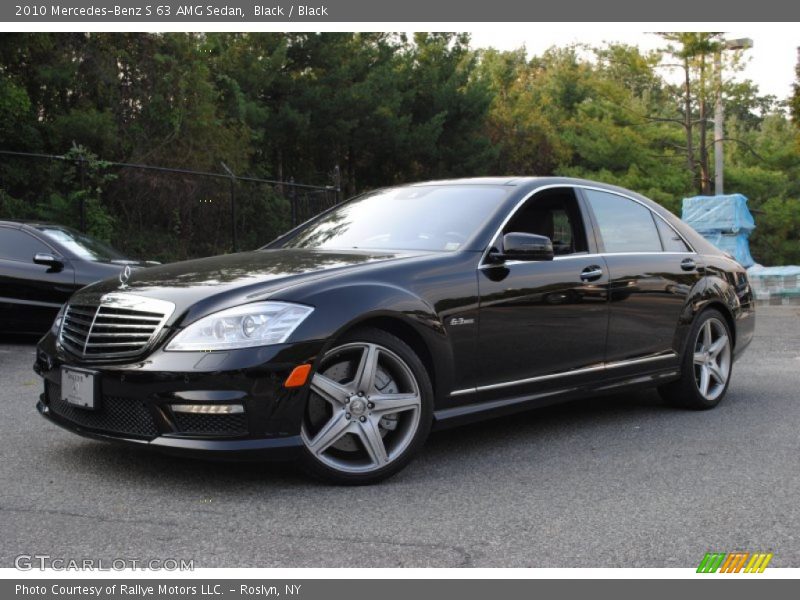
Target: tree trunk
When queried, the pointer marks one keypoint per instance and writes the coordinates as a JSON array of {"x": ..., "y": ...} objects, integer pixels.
[
  {"x": 279, "y": 171},
  {"x": 351, "y": 171},
  {"x": 687, "y": 116},
  {"x": 705, "y": 173}
]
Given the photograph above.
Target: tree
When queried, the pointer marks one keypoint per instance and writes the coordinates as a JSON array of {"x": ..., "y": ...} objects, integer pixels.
[
  {"x": 385, "y": 107},
  {"x": 694, "y": 50},
  {"x": 795, "y": 101}
]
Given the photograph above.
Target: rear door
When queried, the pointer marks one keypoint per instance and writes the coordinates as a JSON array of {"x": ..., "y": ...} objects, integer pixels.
[
  {"x": 651, "y": 272},
  {"x": 541, "y": 320},
  {"x": 30, "y": 294}
]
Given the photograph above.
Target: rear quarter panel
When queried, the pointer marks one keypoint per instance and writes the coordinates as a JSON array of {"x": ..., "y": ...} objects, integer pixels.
[{"x": 724, "y": 286}]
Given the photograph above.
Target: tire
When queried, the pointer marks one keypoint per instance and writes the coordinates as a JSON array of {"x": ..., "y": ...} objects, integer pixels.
[
  {"x": 706, "y": 364},
  {"x": 351, "y": 434}
]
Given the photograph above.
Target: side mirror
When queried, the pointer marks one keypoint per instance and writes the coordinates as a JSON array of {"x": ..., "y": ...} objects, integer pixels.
[
  {"x": 48, "y": 260},
  {"x": 527, "y": 246}
]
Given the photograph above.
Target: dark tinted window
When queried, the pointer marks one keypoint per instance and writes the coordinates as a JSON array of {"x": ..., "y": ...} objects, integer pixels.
[
  {"x": 625, "y": 225},
  {"x": 81, "y": 245},
  {"x": 18, "y": 245},
  {"x": 671, "y": 240},
  {"x": 555, "y": 214},
  {"x": 432, "y": 217}
]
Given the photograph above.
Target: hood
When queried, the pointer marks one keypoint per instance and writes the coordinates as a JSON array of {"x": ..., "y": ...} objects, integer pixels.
[
  {"x": 213, "y": 283},
  {"x": 89, "y": 271}
]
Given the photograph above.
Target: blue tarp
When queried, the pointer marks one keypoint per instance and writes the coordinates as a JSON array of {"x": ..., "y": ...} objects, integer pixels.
[
  {"x": 725, "y": 221},
  {"x": 728, "y": 214},
  {"x": 735, "y": 244}
]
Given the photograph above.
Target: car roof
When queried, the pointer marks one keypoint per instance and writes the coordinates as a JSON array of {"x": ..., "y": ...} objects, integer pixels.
[
  {"x": 529, "y": 183},
  {"x": 525, "y": 183},
  {"x": 20, "y": 223},
  {"x": 471, "y": 181}
]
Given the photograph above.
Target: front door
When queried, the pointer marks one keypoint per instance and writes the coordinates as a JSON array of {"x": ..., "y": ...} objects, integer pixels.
[
  {"x": 30, "y": 294},
  {"x": 541, "y": 321}
]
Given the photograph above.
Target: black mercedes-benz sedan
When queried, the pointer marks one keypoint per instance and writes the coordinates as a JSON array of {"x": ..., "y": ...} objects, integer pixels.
[
  {"x": 345, "y": 341},
  {"x": 41, "y": 265}
]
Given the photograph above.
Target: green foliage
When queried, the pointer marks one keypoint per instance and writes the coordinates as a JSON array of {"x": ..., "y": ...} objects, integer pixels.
[
  {"x": 778, "y": 240},
  {"x": 88, "y": 177},
  {"x": 384, "y": 107},
  {"x": 795, "y": 100},
  {"x": 84, "y": 178}
]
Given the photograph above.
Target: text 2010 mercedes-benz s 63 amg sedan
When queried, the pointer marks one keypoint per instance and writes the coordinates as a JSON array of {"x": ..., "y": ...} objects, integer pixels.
[{"x": 345, "y": 341}]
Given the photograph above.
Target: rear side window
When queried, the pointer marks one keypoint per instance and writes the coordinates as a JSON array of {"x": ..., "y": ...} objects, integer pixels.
[
  {"x": 18, "y": 245},
  {"x": 669, "y": 237},
  {"x": 625, "y": 225}
]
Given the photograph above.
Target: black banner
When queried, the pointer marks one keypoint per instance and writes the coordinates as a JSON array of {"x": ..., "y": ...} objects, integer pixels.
[
  {"x": 355, "y": 11},
  {"x": 396, "y": 589}
]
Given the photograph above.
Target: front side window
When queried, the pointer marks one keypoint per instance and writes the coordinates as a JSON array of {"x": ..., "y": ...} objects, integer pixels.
[
  {"x": 433, "y": 218},
  {"x": 625, "y": 225},
  {"x": 555, "y": 214},
  {"x": 20, "y": 246}
]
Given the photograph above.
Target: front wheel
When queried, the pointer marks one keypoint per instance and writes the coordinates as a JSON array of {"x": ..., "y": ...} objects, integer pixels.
[
  {"x": 706, "y": 364},
  {"x": 369, "y": 409}
]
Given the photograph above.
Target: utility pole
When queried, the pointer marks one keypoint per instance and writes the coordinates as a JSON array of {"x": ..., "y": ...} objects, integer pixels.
[
  {"x": 719, "y": 112},
  {"x": 719, "y": 135}
]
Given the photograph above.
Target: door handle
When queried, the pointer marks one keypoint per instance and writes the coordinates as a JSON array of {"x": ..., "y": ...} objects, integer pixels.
[
  {"x": 688, "y": 264},
  {"x": 591, "y": 273}
]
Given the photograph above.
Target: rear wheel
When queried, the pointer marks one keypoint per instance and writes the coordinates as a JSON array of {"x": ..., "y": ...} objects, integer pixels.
[
  {"x": 369, "y": 409},
  {"x": 706, "y": 365}
]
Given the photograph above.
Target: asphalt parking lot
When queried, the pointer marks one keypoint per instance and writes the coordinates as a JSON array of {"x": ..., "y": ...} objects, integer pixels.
[{"x": 620, "y": 481}]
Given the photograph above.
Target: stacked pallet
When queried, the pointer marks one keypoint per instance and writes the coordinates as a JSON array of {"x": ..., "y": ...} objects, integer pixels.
[
  {"x": 775, "y": 285},
  {"x": 723, "y": 220}
]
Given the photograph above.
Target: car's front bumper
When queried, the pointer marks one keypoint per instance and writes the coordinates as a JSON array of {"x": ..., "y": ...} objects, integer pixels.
[
  {"x": 280, "y": 448},
  {"x": 135, "y": 401}
]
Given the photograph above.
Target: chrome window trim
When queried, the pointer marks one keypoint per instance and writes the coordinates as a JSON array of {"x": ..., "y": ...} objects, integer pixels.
[
  {"x": 680, "y": 235},
  {"x": 601, "y": 367},
  {"x": 586, "y": 255},
  {"x": 531, "y": 194}
]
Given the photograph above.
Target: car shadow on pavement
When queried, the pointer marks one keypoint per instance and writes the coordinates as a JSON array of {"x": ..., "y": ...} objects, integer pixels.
[
  {"x": 459, "y": 445},
  {"x": 550, "y": 424}
]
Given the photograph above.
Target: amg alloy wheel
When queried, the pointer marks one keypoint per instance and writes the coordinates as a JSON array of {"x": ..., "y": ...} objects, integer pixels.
[
  {"x": 706, "y": 365},
  {"x": 369, "y": 409},
  {"x": 712, "y": 359}
]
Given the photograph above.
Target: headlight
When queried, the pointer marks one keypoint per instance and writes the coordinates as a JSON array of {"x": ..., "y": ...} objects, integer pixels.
[
  {"x": 257, "y": 324},
  {"x": 55, "y": 328}
]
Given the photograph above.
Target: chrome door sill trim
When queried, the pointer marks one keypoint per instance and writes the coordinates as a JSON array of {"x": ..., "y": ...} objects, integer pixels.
[{"x": 601, "y": 367}]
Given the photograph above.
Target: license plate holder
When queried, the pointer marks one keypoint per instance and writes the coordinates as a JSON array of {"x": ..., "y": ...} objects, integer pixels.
[{"x": 79, "y": 387}]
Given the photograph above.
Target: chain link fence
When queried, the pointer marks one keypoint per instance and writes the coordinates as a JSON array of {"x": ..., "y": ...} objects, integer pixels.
[{"x": 154, "y": 212}]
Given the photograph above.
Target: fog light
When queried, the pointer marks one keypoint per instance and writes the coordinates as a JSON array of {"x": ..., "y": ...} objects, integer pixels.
[{"x": 209, "y": 409}]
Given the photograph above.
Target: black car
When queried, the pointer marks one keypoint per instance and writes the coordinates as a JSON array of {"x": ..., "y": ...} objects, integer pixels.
[
  {"x": 345, "y": 341},
  {"x": 41, "y": 265}
]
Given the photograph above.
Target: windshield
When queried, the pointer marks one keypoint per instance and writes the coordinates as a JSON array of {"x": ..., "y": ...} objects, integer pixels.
[
  {"x": 82, "y": 245},
  {"x": 434, "y": 218}
]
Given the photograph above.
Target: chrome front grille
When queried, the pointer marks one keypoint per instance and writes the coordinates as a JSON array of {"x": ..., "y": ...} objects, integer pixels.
[{"x": 119, "y": 326}]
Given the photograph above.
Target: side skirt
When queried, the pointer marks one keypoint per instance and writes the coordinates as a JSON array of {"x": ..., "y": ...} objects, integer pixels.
[{"x": 478, "y": 411}]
